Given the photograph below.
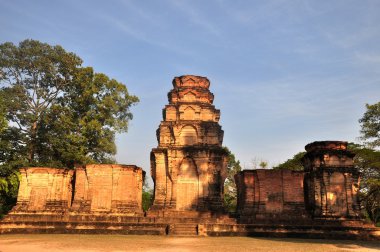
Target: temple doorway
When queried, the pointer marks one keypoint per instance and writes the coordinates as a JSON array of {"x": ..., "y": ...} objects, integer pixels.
[
  {"x": 187, "y": 186},
  {"x": 336, "y": 195}
]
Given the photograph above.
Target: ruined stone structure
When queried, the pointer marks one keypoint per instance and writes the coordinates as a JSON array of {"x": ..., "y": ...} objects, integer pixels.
[
  {"x": 96, "y": 189},
  {"x": 189, "y": 165},
  {"x": 108, "y": 188},
  {"x": 188, "y": 169},
  {"x": 270, "y": 194},
  {"x": 331, "y": 181},
  {"x": 326, "y": 189},
  {"x": 44, "y": 190}
]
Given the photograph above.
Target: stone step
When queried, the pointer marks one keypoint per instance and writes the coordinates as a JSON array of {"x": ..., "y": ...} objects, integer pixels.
[
  {"x": 95, "y": 227},
  {"x": 194, "y": 229},
  {"x": 291, "y": 231},
  {"x": 109, "y": 218},
  {"x": 183, "y": 229}
]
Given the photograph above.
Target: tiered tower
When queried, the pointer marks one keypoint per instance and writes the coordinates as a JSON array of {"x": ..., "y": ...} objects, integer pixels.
[{"x": 189, "y": 165}]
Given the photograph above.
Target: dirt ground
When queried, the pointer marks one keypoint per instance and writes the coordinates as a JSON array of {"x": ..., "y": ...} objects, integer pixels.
[{"x": 79, "y": 243}]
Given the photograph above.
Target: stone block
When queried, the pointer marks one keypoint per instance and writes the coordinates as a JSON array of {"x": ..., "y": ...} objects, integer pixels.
[
  {"x": 108, "y": 188},
  {"x": 44, "y": 189},
  {"x": 270, "y": 194}
]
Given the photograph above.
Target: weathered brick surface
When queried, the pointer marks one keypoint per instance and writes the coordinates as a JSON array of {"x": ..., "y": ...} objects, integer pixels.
[
  {"x": 189, "y": 165},
  {"x": 326, "y": 189},
  {"x": 44, "y": 189},
  {"x": 108, "y": 188},
  {"x": 270, "y": 194},
  {"x": 96, "y": 188},
  {"x": 189, "y": 168},
  {"x": 332, "y": 182}
]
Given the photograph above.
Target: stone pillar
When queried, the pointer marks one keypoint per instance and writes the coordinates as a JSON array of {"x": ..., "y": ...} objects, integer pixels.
[
  {"x": 331, "y": 180},
  {"x": 159, "y": 175},
  {"x": 245, "y": 188}
]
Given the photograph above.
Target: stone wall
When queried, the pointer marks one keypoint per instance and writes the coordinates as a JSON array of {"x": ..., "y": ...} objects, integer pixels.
[
  {"x": 327, "y": 188},
  {"x": 44, "y": 189},
  {"x": 96, "y": 188},
  {"x": 108, "y": 188},
  {"x": 267, "y": 194}
]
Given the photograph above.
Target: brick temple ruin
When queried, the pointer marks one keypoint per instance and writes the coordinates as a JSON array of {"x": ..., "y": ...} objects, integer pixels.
[
  {"x": 189, "y": 167},
  {"x": 326, "y": 189},
  {"x": 86, "y": 190}
]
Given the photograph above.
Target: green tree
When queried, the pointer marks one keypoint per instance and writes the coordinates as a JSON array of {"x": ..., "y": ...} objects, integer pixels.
[
  {"x": 3, "y": 120},
  {"x": 368, "y": 162},
  {"x": 370, "y": 125},
  {"x": 263, "y": 164},
  {"x": 230, "y": 191},
  {"x": 9, "y": 181},
  {"x": 8, "y": 192},
  {"x": 93, "y": 109},
  {"x": 147, "y": 196},
  {"x": 294, "y": 163},
  {"x": 58, "y": 112},
  {"x": 61, "y": 113},
  {"x": 258, "y": 163},
  {"x": 34, "y": 75}
]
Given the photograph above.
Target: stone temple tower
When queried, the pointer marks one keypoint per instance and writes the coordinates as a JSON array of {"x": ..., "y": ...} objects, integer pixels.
[{"x": 189, "y": 165}]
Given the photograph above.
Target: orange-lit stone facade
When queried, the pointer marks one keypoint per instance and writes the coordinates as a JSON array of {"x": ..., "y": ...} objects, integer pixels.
[
  {"x": 267, "y": 194},
  {"x": 96, "y": 189},
  {"x": 327, "y": 188},
  {"x": 189, "y": 168},
  {"x": 331, "y": 180},
  {"x": 44, "y": 189},
  {"x": 189, "y": 165},
  {"x": 108, "y": 188}
]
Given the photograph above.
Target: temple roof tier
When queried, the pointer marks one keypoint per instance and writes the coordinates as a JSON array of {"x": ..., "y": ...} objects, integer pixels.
[{"x": 191, "y": 81}]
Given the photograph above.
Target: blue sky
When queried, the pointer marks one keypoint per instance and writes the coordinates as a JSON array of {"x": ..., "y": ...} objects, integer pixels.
[{"x": 284, "y": 73}]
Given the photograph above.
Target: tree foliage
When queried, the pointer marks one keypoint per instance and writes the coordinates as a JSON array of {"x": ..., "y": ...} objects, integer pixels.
[
  {"x": 60, "y": 113},
  {"x": 147, "y": 196},
  {"x": 3, "y": 120},
  {"x": 258, "y": 163},
  {"x": 33, "y": 76},
  {"x": 294, "y": 164},
  {"x": 230, "y": 191},
  {"x": 368, "y": 162},
  {"x": 8, "y": 191},
  {"x": 87, "y": 117},
  {"x": 55, "y": 112},
  {"x": 370, "y": 125}
]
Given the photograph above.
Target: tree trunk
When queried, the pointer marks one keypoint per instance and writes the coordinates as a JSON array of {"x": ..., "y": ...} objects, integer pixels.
[{"x": 32, "y": 144}]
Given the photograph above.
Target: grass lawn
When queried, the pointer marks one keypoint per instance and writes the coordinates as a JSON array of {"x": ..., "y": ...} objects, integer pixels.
[{"x": 57, "y": 242}]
